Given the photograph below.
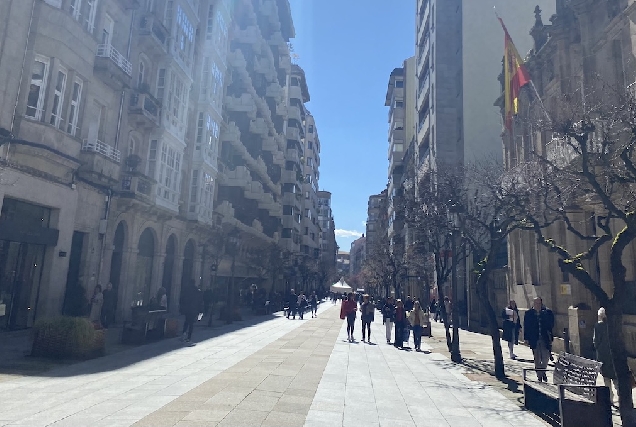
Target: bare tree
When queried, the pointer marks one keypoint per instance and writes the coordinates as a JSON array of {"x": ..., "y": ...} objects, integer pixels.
[{"x": 588, "y": 168}]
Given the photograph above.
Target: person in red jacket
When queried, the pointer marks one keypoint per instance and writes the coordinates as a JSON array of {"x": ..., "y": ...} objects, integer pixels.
[{"x": 348, "y": 311}]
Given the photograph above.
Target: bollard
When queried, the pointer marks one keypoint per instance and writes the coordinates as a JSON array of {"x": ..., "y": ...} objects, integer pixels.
[{"x": 566, "y": 339}]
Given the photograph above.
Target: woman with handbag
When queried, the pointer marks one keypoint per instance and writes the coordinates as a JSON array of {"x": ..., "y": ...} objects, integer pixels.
[
  {"x": 511, "y": 326},
  {"x": 348, "y": 311},
  {"x": 417, "y": 319}
]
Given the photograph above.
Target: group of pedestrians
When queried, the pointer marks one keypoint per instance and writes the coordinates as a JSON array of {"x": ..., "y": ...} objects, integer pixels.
[
  {"x": 404, "y": 316},
  {"x": 297, "y": 304}
]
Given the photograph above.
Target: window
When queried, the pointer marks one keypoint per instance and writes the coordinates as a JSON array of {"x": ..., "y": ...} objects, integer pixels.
[
  {"x": 169, "y": 172},
  {"x": 217, "y": 86},
  {"x": 74, "y": 8},
  {"x": 35, "y": 99},
  {"x": 205, "y": 75},
  {"x": 295, "y": 81},
  {"x": 221, "y": 32},
  {"x": 167, "y": 18},
  {"x": 193, "y": 190},
  {"x": 132, "y": 146},
  {"x": 399, "y": 104},
  {"x": 152, "y": 158},
  {"x": 310, "y": 161},
  {"x": 398, "y": 148},
  {"x": 185, "y": 32},
  {"x": 199, "y": 131},
  {"x": 213, "y": 132},
  {"x": 107, "y": 31},
  {"x": 58, "y": 98},
  {"x": 311, "y": 129},
  {"x": 54, "y": 3},
  {"x": 73, "y": 114},
  {"x": 399, "y": 83},
  {"x": 210, "y": 23},
  {"x": 149, "y": 5},
  {"x": 90, "y": 16},
  {"x": 161, "y": 83},
  {"x": 142, "y": 72},
  {"x": 311, "y": 145}
]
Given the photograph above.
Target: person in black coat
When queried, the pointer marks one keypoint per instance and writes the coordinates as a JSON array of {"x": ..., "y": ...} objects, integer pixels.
[
  {"x": 292, "y": 301},
  {"x": 511, "y": 326},
  {"x": 388, "y": 316},
  {"x": 538, "y": 323},
  {"x": 192, "y": 305}
]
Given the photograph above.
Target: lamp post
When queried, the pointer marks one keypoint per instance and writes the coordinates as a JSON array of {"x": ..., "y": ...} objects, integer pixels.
[
  {"x": 454, "y": 219},
  {"x": 232, "y": 242}
]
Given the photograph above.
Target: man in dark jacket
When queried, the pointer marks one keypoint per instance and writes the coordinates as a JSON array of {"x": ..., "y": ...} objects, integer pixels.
[
  {"x": 292, "y": 300},
  {"x": 388, "y": 316},
  {"x": 192, "y": 302},
  {"x": 538, "y": 323}
]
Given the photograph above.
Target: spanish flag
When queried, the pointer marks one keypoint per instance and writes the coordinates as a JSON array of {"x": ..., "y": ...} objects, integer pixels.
[{"x": 516, "y": 76}]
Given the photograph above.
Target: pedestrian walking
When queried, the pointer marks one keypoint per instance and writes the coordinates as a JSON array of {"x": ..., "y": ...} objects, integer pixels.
[
  {"x": 603, "y": 352},
  {"x": 292, "y": 301},
  {"x": 408, "y": 304},
  {"x": 432, "y": 308},
  {"x": 301, "y": 303},
  {"x": 418, "y": 319},
  {"x": 366, "y": 315},
  {"x": 313, "y": 302},
  {"x": 192, "y": 305},
  {"x": 348, "y": 311},
  {"x": 108, "y": 306},
  {"x": 538, "y": 323},
  {"x": 511, "y": 326},
  {"x": 97, "y": 301},
  {"x": 448, "y": 306},
  {"x": 388, "y": 316},
  {"x": 400, "y": 324}
]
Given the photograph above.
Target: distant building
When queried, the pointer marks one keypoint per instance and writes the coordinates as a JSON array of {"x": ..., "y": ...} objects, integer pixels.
[
  {"x": 357, "y": 255},
  {"x": 342, "y": 264},
  {"x": 376, "y": 221}
]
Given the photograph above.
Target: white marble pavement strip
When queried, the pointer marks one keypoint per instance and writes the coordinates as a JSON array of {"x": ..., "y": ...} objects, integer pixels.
[
  {"x": 120, "y": 389},
  {"x": 379, "y": 385}
]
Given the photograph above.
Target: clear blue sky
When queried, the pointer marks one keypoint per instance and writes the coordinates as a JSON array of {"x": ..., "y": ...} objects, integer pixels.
[{"x": 348, "y": 49}]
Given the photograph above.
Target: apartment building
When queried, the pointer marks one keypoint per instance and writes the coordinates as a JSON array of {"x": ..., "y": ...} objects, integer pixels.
[
  {"x": 327, "y": 236},
  {"x": 311, "y": 228},
  {"x": 132, "y": 132},
  {"x": 376, "y": 221},
  {"x": 357, "y": 255}
]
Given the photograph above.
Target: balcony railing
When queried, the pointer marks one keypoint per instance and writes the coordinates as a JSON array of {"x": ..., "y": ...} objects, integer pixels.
[
  {"x": 97, "y": 146},
  {"x": 150, "y": 25},
  {"x": 108, "y": 51},
  {"x": 142, "y": 103}
]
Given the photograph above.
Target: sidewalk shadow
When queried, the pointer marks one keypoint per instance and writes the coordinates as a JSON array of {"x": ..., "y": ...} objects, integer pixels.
[{"x": 128, "y": 355}]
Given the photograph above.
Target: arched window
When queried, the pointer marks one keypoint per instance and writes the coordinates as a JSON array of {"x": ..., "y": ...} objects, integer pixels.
[
  {"x": 133, "y": 146},
  {"x": 142, "y": 72}
]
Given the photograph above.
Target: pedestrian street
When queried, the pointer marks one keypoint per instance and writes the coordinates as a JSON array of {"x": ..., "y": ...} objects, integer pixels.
[{"x": 278, "y": 372}]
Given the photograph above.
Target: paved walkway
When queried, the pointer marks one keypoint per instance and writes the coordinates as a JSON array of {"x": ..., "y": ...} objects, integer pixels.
[{"x": 277, "y": 373}]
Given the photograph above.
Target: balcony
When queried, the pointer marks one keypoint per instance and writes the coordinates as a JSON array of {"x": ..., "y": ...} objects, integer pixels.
[
  {"x": 249, "y": 36},
  {"x": 423, "y": 128},
  {"x": 105, "y": 150},
  {"x": 274, "y": 90},
  {"x": 243, "y": 104},
  {"x": 293, "y": 133},
  {"x": 254, "y": 191},
  {"x": 100, "y": 163},
  {"x": 422, "y": 57},
  {"x": 293, "y": 155},
  {"x": 144, "y": 110},
  {"x": 294, "y": 113},
  {"x": 225, "y": 209},
  {"x": 238, "y": 177},
  {"x": 137, "y": 186},
  {"x": 113, "y": 67},
  {"x": 259, "y": 127},
  {"x": 289, "y": 177},
  {"x": 153, "y": 36},
  {"x": 423, "y": 90}
]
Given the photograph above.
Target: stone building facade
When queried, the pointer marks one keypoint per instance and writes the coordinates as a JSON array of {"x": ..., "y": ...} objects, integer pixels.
[
  {"x": 132, "y": 133},
  {"x": 586, "y": 43}
]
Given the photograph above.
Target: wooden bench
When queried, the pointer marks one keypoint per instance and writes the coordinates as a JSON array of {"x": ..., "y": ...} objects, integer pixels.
[
  {"x": 145, "y": 324},
  {"x": 573, "y": 399}
]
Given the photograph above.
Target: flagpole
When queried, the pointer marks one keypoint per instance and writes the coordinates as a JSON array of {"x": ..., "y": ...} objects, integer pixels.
[{"x": 545, "y": 111}]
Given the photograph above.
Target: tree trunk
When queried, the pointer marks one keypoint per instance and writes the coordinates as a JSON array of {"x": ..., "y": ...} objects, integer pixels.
[
  {"x": 619, "y": 357},
  {"x": 493, "y": 325}
]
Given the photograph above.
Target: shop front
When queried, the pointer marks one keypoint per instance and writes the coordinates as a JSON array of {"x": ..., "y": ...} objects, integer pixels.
[{"x": 24, "y": 237}]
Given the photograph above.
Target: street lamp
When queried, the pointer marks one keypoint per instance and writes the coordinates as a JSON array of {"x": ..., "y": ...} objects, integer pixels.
[
  {"x": 454, "y": 222},
  {"x": 232, "y": 248}
]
